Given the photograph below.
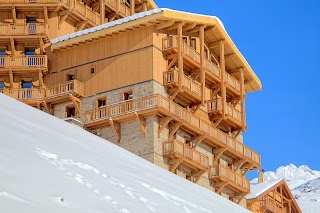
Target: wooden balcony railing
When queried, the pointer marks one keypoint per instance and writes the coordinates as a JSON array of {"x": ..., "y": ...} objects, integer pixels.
[
  {"x": 69, "y": 87},
  {"x": 31, "y": 1},
  {"x": 172, "y": 76},
  {"x": 87, "y": 12},
  {"x": 160, "y": 102},
  {"x": 170, "y": 42},
  {"x": 185, "y": 151},
  {"x": 271, "y": 204},
  {"x": 228, "y": 174},
  {"x": 233, "y": 82},
  {"x": 192, "y": 53},
  {"x": 24, "y": 94},
  {"x": 212, "y": 67},
  {"x": 215, "y": 106},
  {"x": 125, "y": 10},
  {"x": 35, "y": 61},
  {"x": 23, "y": 29}
]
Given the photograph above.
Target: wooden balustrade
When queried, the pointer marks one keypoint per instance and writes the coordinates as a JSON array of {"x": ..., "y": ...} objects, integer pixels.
[
  {"x": 215, "y": 107},
  {"x": 23, "y": 29},
  {"x": 212, "y": 67},
  {"x": 30, "y": 1},
  {"x": 158, "y": 101},
  {"x": 232, "y": 81},
  {"x": 125, "y": 10},
  {"x": 185, "y": 151},
  {"x": 192, "y": 53},
  {"x": 170, "y": 42},
  {"x": 172, "y": 76},
  {"x": 227, "y": 174},
  {"x": 35, "y": 61},
  {"x": 271, "y": 203},
  {"x": 111, "y": 3},
  {"x": 23, "y": 94},
  {"x": 69, "y": 87},
  {"x": 87, "y": 12}
]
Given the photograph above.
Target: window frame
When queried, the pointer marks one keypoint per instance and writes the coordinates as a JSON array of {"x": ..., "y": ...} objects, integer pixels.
[
  {"x": 127, "y": 92},
  {"x": 99, "y": 99}
]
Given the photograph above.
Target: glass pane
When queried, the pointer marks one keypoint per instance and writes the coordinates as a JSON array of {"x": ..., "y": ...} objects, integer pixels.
[{"x": 27, "y": 85}]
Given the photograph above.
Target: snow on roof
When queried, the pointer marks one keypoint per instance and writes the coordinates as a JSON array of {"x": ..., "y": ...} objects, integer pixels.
[
  {"x": 49, "y": 165},
  {"x": 259, "y": 188},
  {"x": 121, "y": 21}
]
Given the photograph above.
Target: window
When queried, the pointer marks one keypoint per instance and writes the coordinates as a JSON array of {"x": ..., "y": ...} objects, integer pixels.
[
  {"x": 30, "y": 51},
  {"x": 2, "y": 53},
  {"x": 92, "y": 70},
  {"x": 31, "y": 21},
  {"x": 193, "y": 43},
  {"x": 128, "y": 95},
  {"x": 185, "y": 39},
  {"x": 71, "y": 77},
  {"x": 70, "y": 111},
  {"x": 101, "y": 102},
  {"x": 26, "y": 84}
]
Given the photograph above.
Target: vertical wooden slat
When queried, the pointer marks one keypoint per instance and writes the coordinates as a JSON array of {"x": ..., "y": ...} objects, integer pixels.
[
  {"x": 180, "y": 56},
  {"x": 223, "y": 85}
]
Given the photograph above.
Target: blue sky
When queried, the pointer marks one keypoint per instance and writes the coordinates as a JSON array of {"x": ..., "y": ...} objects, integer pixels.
[{"x": 281, "y": 42}]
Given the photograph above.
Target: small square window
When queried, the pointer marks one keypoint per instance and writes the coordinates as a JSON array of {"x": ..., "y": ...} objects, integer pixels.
[
  {"x": 101, "y": 102},
  {"x": 71, "y": 77},
  {"x": 92, "y": 70},
  {"x": 70, "y": 111},
  {"x": 128, "y": 95}
]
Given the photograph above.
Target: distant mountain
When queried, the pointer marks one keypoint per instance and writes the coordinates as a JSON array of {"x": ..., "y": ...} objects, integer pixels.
[{"x": 303, "y": 182}]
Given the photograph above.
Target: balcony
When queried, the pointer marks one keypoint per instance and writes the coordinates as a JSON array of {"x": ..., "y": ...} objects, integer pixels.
[
  {"x": 234, "y": 180},
  {"x": 175, "y": 149},
  {"x": 24, "y": 62},
  {"x": 191, "y": 88},
  {"x": 233, "y": 116},
  {"x": 124, "y": 10},
  {"x": 190, "y": 55},
  {"x": 270, "y": 204},
  {"x": 62, "y": 92},
  {"x": 212, "y": 71},
  {"x": 232, "y": 84},
  {"x": 125, "y": 110},
  {"x": 30, "y": 1},
  {"x": 28, "y": 96},
  {"x": 38, "y": 29},
  {"x": 86, "y": 13}
]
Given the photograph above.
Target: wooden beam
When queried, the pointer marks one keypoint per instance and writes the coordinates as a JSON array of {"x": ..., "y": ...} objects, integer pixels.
[
  {"x": 116, "y": 128},
  {"x": 215, "y": 92},
  {"x": 117, "y": 7},
  {"x": 242, "y": 196},
  {"x": 11, "y": 78},
  {"x": 216, "y": 124},
  {"x": 221, "y": 187},
  {"x": 197, "y": 140},
  {"x": 63, "y": 16},
  {"x": 248, "y": 169},
  {"x": 48, "y": 108},
  {"x": 196, "y": 29},
  {"x": 242, "y": 95},
  {"x": 165, "y": 24},
  {"x": 13, "y": 48},
  {"x": 199, "y": 175},
  {"x": 180, "y": 56},
  {"x": 216, "y": 44},
  {"x": 14, "y": 14},
  {"x": 174, "y": 94},
  {"x": 223, "y": 84},
  {"x": 189, "y": 27},
  {"x": 176, "y": 126},
  {"x": 142, "y": 123},
  {"x": 76, "y": 103},
  {"x": 235, "y": 71},
  {"x": 102, "y": 11},
  {"x": 175, "y": 165},
  {"x": 58, "y": 7},
  {"x": 230, "y": 56},
  {"x": 202, "y": 58},
  {"x": 172, "y": 62},
  {"x": 248, "y": 81},
  {"x": 217, "y": 154},
  {"x": 45, "y": 12},
  {"x": 174, "y": 26},
  {"x": 210, "y": 28},
  {"x": 82, "y": 24},
  {"x": 166, "y": 121},
  {"x": 238, "y": 164},
  {"x": 238, "y": 133},
  {"x": 40, "y": 76},
  {"x": 133, "y": 7}
]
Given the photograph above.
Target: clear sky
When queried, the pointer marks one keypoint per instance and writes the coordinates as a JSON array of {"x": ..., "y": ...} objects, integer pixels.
[{"x": 281, "y": 42}]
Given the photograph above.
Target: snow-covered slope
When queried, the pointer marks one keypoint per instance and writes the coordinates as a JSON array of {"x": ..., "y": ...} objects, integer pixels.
[
  {"x": 303, "y": 182},
  {"x": 48, "y": 165}
]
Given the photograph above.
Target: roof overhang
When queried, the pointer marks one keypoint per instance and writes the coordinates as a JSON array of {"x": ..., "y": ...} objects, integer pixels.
[{"x": 215, "y": 32}]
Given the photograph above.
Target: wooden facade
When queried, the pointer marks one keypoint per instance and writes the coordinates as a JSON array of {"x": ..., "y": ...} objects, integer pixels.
[
  {"x": 202, "y": 80},
  {"x": 277, "y": 198}
]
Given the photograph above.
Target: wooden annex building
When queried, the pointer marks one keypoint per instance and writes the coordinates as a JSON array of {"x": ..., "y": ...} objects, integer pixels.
[
  {"x": 274, "y": 197},
  {"x": 166, "y": 85}
]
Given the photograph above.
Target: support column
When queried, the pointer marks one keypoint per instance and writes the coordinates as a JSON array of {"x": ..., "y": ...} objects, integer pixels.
[
  {"x": 202, "y": 58},
  {"x": 223, "y": 84},
  {"x": 180, "y": 56},
  {"x": 242, "y": 95},
  {"x": 102, "y": 11},
  {"x": 133, "y": 7}
]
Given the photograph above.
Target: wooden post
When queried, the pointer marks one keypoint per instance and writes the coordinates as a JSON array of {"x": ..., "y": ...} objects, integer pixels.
[
  {"x": 180, "y": 56},
  {"x": 223, "y": 84},
  {"x": 117, "y": 6},
  {"x": 242, "y": 94},
  {"x": 102, "y": 11},
  {"x": 133, "y": 7},
  {"x": 202, "y": 58}
]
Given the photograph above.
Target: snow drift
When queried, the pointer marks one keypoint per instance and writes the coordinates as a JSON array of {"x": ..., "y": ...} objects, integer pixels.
[{"x": 48, "y": 165}]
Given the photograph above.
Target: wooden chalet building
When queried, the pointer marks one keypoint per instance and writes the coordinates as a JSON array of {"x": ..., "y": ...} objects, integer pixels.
[
  {"x": 272, "y": 197},
  {"x": 168, "y": 86}
]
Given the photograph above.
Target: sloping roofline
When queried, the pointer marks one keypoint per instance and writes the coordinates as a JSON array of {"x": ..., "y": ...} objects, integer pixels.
[{"x": 159, "y": 13}]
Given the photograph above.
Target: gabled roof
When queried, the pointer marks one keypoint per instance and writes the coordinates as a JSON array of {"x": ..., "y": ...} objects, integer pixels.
[
  {"x": 215, "y": 33},
  {"x": 259, "y": 190}
]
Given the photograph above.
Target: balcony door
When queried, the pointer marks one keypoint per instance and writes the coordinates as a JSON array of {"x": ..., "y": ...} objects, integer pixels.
[
  {"x": 30, "y": 51},
  {"x": 31, "y": 23},
  {"x": 26, "y": 91}
]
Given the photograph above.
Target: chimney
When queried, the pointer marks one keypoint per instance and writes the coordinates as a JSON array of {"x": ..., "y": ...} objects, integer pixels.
[{"x": 261, "y": 176}]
